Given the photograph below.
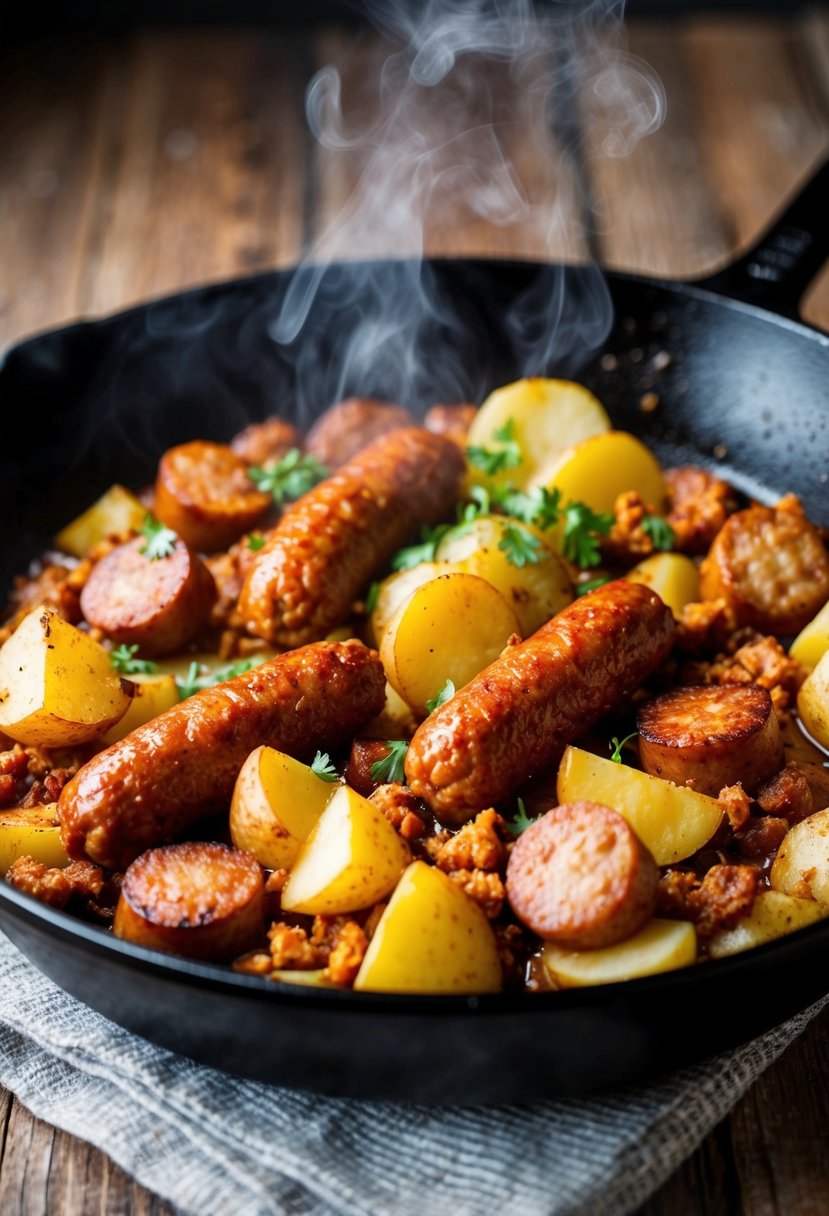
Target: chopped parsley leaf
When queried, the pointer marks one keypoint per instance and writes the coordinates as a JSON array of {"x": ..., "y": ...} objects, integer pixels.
[
  {"x": 324, "y": 769},
  {"x": 522, "y": 820},
  {"x": 160, "y": 541},
  {"x": 582, "y": 528},
  {"x": 442, "y": 697},
  {"x": 520, "y": 546},
  {"x": 390, "y": 768},
  {"x": 616, "y": 745},
  {"x": 290, "y": 478},
  {"x": 660, "y": 531},
  {"x": 494, "y": 460},
  {"x": 123, "y": 660}
]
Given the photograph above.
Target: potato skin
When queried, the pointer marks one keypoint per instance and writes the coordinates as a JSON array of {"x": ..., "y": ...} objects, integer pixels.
[
  {"x": 202, "y": 492},
  {"x": 203, "y": 901},
  {"x": 352, "y": 425},
  {"x": 771, "y": 566},
  {"x": 579, "y": 876},
  {"x": 159, "y": 604},
  {"x": 146, "y": 789},
  {"x": 329, "y": 545},
  {"x": 515, "y": 719},
  {"x": 711, "y": 736}
]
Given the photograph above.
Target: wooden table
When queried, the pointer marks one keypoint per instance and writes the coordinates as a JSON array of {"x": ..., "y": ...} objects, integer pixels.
[{"x": 172, "y": 158}]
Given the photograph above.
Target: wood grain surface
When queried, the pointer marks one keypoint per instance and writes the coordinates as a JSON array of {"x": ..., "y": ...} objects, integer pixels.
[{"x": 166, "y": 159}]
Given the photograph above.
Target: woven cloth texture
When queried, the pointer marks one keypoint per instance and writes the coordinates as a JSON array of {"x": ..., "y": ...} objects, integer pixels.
[{"x": 213, "y": 1145}]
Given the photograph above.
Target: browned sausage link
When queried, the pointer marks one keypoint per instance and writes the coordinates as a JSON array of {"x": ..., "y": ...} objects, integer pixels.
[
  {"x": 204, "y": 901},
  {"x": 771, "y": 566},
  {"x": 515, "y": 718},
  {"x": 203, "y": 493},
  {"x": 158, "y": 604},
  {"x": 580, "y": 877},
  {"x": 266, "y": 442},
  {"x": 330, "y": 544},
  {"x": 351, "y": 426},
  {"x": 710, "y": 737},
  {"x": 146, "y": 789},
  {"x": 453, "y": 421}
]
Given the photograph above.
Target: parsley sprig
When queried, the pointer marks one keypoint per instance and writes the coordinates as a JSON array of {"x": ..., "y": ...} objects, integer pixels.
[
  {"x": 660, "y": 531},
  {"x": 160, "y": 541},
  {"x": 495, "y": 459},
  {"x": 324, "y": 769},
  {"x": 520, "y": 546},
  {"x": 522, "y": 820},
  {"x": 425, "y": 551},
  {"x": 390, "y": 768},
  {"x": 617, "y": 745},
  {"x": 447, "y": 691},
  {"x": 196, "y": 680},
  {"x": 290, "y": 478},
  {"x": 123, "y": 660},
  {"x": 255, "y": 541},
  {"x": 582, "y": 529},
  {"x": 593, "y": 584}
]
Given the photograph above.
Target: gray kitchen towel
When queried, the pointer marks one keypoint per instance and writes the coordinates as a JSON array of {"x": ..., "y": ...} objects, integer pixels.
[{"x": 212, "y": 1145}]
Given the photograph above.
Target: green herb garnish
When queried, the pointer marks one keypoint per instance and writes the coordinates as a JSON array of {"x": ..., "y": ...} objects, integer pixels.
[
  {"x": 390, "y": 768},
  {"x": 425, "y": 551},
  {"x": 522, "y": 820},
  {"x": 372, "y": 597},
  {"x": 122, "y": 660},
  {"x": 582, "y": 528},
  {"x": 290, "y": 478},
  {"x": 494, "y": 460},
  {"x": 520, "y": 546},
  {"x": 160, "y": 541},
  {"x": 195, "y": 681},
  {"x": 442, "y": 697},
  {"x": 617, "y": 745},
  {"x": 255, "y": 541},
  {"x": 660, "y": 531},
  {"x": 593, "y": 584},
  {"x": 324, "y": 769}
]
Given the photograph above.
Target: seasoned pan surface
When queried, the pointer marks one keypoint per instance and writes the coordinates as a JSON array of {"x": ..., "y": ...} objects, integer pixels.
[{"x": 739, "y": 389}]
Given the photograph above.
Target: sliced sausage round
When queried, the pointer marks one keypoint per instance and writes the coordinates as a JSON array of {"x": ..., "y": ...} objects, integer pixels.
[
  {"x": 352, "y": 425},
  {"x": 203, "y": 493},
  {"x": 771, "y": 566},
  {"x": 204, "y": 901},
  {"x": 711, "y": 736},
  {"x": 580, "y": 877},
  {"x": 158, "y": 604}
]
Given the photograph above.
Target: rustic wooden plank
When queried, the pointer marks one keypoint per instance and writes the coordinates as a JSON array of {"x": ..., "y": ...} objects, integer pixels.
[
  {"x": 49, "y": 102},
  {"x": 654, "y": 212},
  {"x": 779, "y": 1132},
  {"x": 704, "y": 1185},
  {"x": 203, "y": 155},
  {"x": 532, "y": 196},
  {"x": 813, "y": 56}
]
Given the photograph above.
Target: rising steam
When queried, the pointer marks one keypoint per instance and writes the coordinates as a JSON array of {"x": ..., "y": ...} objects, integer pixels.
[{"x": 462, "y": 136}]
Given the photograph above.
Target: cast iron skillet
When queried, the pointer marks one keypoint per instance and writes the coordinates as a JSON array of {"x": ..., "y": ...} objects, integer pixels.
[{"x": 745, "y": 390}]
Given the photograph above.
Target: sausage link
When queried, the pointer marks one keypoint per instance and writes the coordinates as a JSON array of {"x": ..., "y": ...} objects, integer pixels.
[
  {"x": 203, "y": 493},
  {"x": 515, "y": 718},
  {"x": 333, "y": 541},
  {"x": 146, "y": 789},
  {"x": 771, "y": 566},
  {"x": 159, "y": 605},
  {"x": 351, "y": 426},
  {"x": 453, "y": 421},
  {"x": 710, "y": 737},
  {"x": 580, "y": 877},
  {"x": 203, "y": 901}
]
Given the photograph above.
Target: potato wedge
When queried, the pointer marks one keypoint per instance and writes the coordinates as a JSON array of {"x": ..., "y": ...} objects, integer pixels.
[
  {"x": 431, "y": 938},
  {"x": 535, "y": 592},
  {"x": 801, "y": 866},
  {"x": 663, "y": 945},
  {"x": 547, "y": 416},
  {"x": 600, "y": 468},
  {"x": 116, "y": 513},
  {"x": 395, "y": 590},
  {"x": 352, "y": 858},
  {"x": 774, "y": 915},
  {"x": 31, "y": 831},
  {"x": 671, "y": 821},
  {"x": 673, "y": 577},
  {"x": 813, "y": 702},
  {"x": 812, "y": 643},
  {"x": 448, "y": 629},
  {"x": 153, "y": 695},
  {"x": 303, "y": 979},
  {"x": 276, "y": 802},
  {"x": 58, "y": 686}
]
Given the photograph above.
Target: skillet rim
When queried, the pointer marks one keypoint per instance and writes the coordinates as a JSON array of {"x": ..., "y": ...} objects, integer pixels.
[{"x": 21, "y": 906}]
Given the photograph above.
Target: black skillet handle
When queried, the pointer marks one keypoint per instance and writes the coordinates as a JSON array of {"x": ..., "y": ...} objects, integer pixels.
[{"x": 776, "y": 271}]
